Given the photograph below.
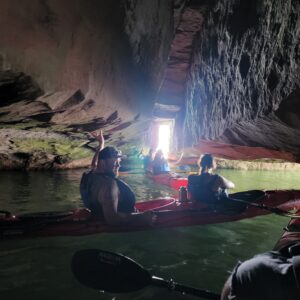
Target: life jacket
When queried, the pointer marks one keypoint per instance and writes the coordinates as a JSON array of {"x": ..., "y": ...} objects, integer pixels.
[
  {"x": 201, "y": 190},
  {"x": 126, "y": 201},
  {"x": 147, "y": 160},
  {"x": 160, "y": 167}
]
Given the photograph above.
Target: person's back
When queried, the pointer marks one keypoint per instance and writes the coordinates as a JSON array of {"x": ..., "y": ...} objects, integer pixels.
[
  {"x": 207, "y": 187},
  {"x": 147, "y": 161},
  {"x": 160, "y": 164},
  {"x": 203, "y": 187}
]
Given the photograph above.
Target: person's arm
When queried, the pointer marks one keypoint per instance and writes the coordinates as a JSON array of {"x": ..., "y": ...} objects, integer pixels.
[
  {"x": 98, "y": 135},
  {"x": 226, "y": 289},
  {"x": 227, "y": 184},
  {"x": 221, "y": 182}
]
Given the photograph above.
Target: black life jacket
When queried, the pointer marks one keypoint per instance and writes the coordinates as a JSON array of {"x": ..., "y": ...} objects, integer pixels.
[
  {"x": 201, "y": 189},
  {"x": 126, "y": 201}
]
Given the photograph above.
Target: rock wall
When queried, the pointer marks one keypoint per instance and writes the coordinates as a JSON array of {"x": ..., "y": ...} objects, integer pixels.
[
  {"x": 103, "y": 50},
  {"x": 69, "y": 67},
  {"x": 246, "y": 64}
]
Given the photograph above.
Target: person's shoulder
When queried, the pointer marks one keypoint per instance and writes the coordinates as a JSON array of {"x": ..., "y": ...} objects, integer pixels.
[
  {"x": 191, "y": 176},
  {"x": 219, "y": 178}
]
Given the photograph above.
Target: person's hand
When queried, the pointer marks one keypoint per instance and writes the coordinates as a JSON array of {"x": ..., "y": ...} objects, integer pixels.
[{"x": 98, "y": 135}]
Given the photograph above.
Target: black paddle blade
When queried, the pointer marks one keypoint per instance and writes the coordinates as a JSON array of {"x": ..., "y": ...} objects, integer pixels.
[{"x": 107, "y": 271}]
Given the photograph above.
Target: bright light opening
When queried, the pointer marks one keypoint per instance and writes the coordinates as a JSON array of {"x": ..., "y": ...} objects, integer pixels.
[{"x": 164, "y": 136}]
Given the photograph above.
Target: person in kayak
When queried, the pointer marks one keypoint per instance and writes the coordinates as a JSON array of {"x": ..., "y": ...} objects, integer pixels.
[
  {"x": 147, "y": 161},
  {"x": 106, "y": 195},
  {"x": 160, "y": 164},
  {"x": 274, "y": 275},
  {"x": 206, "y": 186}
]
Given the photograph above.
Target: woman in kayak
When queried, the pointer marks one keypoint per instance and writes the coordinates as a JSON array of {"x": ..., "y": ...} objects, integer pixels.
[
  {"x": 104, "y": 194},
  {"x": 160, "y": 164},
  {"x": 206, "y": 186},
  {"x": 147, "y": 161}
]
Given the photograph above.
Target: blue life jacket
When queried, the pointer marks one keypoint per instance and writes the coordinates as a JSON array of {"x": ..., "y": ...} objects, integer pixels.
[
  {"x": 160, "y": 167},
  {"x": 126, "y": 201}
]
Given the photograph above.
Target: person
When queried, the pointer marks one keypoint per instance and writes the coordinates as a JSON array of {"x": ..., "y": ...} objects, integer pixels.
[
  {"x": 274, "y": 275},
  {"x": 106, "y": 195},
  {"x": 159, "y": 164},
  {"x": 206, "y": 186},
  {"x": 147, "y": 160}
]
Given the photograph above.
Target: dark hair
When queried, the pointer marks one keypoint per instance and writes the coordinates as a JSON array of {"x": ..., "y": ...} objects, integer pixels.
[{"x": 206, "y": 161}]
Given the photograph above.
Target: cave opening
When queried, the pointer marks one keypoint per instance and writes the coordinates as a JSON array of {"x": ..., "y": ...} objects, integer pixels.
[
  {"x": 164, "y": 137},
  {"x": 161, "y": 135}
]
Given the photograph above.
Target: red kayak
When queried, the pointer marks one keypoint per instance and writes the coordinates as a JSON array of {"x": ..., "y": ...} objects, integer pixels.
[
  {"x": 172, "y": 180},
  {"x": 170, "y": 213}
]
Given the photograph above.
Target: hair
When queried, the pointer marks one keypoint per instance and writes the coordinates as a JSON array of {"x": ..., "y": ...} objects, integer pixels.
[{"x": 206, "y": 161}]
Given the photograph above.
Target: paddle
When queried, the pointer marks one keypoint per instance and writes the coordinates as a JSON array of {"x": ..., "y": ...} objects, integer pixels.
[
  {"x": 115, "y": 273},
  {"x": 274, "y": 210}
]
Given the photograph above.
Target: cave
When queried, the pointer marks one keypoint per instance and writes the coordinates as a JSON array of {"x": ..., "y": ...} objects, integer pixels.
[{"x": 219, "y": 71}]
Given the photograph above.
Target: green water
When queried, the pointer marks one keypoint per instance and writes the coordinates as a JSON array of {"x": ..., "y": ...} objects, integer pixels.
[{"x": 200, "y": 256}]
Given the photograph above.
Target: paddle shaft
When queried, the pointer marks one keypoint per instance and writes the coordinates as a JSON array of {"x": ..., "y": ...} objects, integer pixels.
[
  {"x": 274, "y": 210},
  {"x": 173, "y": 286}
]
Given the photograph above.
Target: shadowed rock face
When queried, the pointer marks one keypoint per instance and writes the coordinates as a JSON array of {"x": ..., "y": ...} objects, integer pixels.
[
  {"x": 246, "y": 68},
  {"x": 88, "y": 59},
  {"x": 229, "y": 68}
]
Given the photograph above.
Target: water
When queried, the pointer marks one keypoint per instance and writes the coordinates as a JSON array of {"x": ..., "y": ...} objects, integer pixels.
[{"x": 200, "y": 256}]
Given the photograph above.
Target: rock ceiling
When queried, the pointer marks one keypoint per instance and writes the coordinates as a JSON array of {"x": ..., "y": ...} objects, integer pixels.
[{"x": 226, "y": 71}]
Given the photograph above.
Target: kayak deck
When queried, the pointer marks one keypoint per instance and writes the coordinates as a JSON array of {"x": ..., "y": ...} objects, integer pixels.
[{"x": 170, "y": 213}]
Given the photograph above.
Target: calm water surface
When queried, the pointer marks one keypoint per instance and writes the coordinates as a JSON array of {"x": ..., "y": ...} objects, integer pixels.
[{"x": 201, "y": 256}]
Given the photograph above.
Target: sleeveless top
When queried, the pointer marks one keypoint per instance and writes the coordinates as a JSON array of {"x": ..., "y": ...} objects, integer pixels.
[
  {"x": 126, "y": 199},
  {"x": 201, "y": 189}
]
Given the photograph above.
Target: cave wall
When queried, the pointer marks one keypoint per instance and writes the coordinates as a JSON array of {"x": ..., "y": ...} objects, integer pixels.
[
  {"x": 245, "y": 65},
  {"x": 110, "y": 53}
]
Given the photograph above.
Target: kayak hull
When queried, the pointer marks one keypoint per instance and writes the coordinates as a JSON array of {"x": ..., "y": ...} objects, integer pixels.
[{"x": 170, "y": 213}]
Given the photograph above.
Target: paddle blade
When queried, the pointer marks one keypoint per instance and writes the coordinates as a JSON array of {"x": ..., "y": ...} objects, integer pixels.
[{"x": 107, "y": 271}]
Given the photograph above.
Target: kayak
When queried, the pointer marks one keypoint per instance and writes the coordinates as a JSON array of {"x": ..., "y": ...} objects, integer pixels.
[
  {"x": 170, "y": 213},
  {"x": 291, "y": 234},
  {"x": 172, "y": 180}
]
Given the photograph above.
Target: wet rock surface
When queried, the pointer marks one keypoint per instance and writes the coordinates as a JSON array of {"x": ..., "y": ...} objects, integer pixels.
[{"x": 246, "y": 65}]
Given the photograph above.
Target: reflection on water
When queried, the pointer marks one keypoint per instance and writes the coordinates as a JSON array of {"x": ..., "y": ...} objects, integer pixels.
[{"x": 200, "y": 256}]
